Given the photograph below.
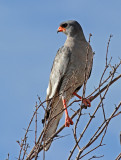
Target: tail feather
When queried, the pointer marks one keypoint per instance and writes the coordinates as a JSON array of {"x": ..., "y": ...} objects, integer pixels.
[
  {"x": 51, "y": 129},
  {"x": 52, "y": 123}
]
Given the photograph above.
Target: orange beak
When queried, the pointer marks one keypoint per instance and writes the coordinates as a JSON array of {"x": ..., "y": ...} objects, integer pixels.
[{"x": 61, "y": 29}]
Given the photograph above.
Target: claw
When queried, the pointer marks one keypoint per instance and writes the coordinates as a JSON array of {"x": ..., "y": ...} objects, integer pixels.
[
  {"x": 85, "y": 101},
  {"x": 68, "y": 121}
]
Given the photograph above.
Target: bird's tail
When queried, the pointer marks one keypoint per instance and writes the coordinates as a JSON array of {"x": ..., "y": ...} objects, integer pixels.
[{"x": 52, "y": 123}]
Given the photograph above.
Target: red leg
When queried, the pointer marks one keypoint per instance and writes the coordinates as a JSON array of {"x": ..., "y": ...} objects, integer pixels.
[
  {"x": 68, "y": 120},
  {"x": 77, "y": 95},
  {"x": 85, "y": 101}
]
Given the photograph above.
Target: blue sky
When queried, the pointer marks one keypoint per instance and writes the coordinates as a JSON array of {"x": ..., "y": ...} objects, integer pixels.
[{"x": 28, "y": 44}]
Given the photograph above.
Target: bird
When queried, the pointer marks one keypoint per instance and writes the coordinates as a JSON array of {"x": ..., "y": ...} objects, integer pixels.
[{"x": 72, "y": 62}]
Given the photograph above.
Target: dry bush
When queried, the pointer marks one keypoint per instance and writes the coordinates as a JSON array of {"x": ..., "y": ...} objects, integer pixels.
[{"x": 108, "y": 78}]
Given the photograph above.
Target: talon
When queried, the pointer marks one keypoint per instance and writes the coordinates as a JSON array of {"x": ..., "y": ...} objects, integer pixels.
[
  {"x": 86, "y": 102},
  {"x": 68, "y": 121}
]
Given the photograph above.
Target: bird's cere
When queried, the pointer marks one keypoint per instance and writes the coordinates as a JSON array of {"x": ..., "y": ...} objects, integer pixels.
[{"x": 61, "y": 29}]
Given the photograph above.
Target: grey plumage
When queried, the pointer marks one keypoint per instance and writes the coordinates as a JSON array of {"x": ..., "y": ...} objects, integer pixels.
[{"x": 67, "y": 73}]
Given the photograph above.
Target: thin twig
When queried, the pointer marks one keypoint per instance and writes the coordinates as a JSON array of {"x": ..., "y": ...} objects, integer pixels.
[{"x": 61, "y": 128}]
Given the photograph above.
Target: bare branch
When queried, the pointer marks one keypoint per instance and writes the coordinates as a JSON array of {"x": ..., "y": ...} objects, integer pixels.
[
  {"x": 118, "y": 157},
  {"x": 96, "y": 157},
  {"x": 99, "y": 133}
]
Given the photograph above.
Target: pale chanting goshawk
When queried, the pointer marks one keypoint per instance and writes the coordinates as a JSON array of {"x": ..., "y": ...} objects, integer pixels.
[{"x": 67, "y": 76}]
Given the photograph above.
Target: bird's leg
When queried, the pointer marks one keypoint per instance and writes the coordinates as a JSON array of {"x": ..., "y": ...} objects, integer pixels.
[
  {"x": 68, "y": 120},
  {"x": 85, "y": 100}
]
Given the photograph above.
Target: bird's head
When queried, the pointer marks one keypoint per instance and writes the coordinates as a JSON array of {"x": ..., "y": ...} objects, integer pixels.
[{"x": 71, "y": 28}]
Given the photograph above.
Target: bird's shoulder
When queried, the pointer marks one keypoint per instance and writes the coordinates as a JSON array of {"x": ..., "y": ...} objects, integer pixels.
[
  {"x": 63, "y": 52},
  {"x": 58, "y": 70}
]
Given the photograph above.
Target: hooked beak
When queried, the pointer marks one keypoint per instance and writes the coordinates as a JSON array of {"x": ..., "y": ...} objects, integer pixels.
[{"x": 61, "y": 29}]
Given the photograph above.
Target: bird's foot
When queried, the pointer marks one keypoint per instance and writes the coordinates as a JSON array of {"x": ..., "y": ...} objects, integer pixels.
[
  {"x": 87, "y": 101},
  {"x": 68, "y": 121}
]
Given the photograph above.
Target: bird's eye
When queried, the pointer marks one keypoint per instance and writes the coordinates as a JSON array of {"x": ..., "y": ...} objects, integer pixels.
[{"x": 64, "y": 25}]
